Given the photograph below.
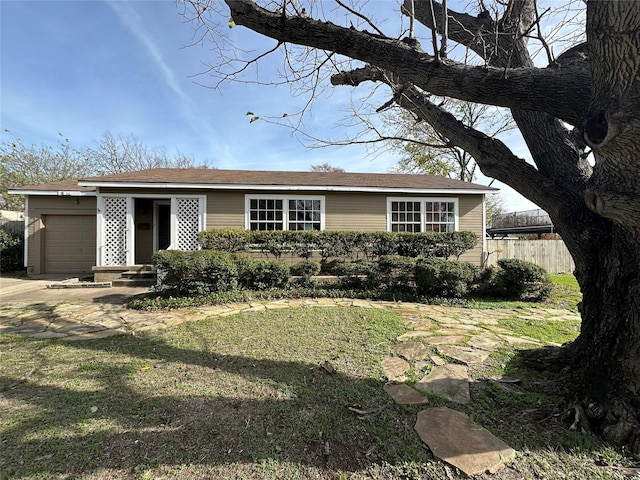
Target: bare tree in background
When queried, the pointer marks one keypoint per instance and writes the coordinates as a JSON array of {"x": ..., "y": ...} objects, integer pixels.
[
  {"x": 588, "y": 98},
  {"x": 325, "y": 167},
  {"x": 126, "y": 153},
  {"x": 22, "y": 164}
]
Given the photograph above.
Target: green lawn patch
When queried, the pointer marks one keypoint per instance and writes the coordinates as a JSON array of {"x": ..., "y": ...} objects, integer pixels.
[{"x": 251, "y": 396}]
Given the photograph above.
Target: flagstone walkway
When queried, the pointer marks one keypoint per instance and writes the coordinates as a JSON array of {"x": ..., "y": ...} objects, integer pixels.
[{"x": 439, "y": 345}]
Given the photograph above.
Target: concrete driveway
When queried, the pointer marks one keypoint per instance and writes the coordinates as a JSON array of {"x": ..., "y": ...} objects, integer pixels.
[{"x": 34, "y": 290}]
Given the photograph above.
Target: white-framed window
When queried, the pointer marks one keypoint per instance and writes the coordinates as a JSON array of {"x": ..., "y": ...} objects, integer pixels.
[
  {"x": 284, "y": 212},
  {"x": 415, "y": 214}
]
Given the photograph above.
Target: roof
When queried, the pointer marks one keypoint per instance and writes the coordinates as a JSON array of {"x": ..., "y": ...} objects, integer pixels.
[
  {"x": 199, "y": 178},
  {"x": 63, "y": 187}
]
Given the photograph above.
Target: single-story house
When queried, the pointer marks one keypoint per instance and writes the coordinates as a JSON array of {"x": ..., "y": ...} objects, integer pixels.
[{"x": 114, "y": 222}]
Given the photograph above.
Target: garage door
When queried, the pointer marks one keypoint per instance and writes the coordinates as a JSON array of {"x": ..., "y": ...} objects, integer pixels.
[{"x": 69, "y": 243}]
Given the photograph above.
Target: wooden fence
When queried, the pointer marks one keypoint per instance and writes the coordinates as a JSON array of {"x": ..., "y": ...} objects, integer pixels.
[{"x": 552, "y": 255}]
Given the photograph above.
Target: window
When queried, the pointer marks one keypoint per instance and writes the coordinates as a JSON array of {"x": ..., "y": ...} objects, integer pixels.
[
  {"x": 440, "y": 216},
  {"x": 266, "y": 214},
  {"x": 422, "y": 214},
  {"x": 304, "y": 215},
  {"x": 271, "y": 212},
  {"x": 406, "y": 217}
]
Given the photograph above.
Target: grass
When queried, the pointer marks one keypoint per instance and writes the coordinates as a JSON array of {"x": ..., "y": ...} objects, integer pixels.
[
  {"x": 566, "y": 292},
  {"x": 247, "y": 397}
]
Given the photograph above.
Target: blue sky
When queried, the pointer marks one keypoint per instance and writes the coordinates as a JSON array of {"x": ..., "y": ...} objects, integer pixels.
[{"x": 85, "y": 67}]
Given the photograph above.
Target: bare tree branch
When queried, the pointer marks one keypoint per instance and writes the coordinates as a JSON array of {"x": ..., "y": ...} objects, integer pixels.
[{"x": 561, "y": 93}]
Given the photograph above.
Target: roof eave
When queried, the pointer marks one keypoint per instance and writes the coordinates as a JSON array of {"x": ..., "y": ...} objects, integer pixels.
[
  {"x": 57, "y": 193},
  {"x": 326, "y": 188}
]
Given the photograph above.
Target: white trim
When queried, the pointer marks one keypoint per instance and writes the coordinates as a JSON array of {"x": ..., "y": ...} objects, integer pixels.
[
  {"x": 26, "y": 232},
  {"x": 285, "y": 209},
  {"x": 99, "y": 230},
  {"x": 57, "y": 193},
  {"x": 288, "y": 188},
  {"x": 130, "y": 219},
  {"x": 130, "y": 244},
  {"x": 173, "y": 229},
  {"x": 484, "y": 256},
  {"x": 422, "y": 200}
]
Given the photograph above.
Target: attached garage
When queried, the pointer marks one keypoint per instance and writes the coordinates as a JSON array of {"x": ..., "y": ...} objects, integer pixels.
[{"x": 69, "y": 243}]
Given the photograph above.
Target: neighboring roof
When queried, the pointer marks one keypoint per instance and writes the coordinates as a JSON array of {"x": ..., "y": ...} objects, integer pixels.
[
  {"x": 199, "y": 178},
  {"x": 274, "y": 180},
  {"x": 62, "y": 188}
]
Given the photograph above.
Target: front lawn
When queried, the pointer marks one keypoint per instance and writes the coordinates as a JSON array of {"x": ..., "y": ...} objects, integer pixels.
[{"x": 260, "y": 395}]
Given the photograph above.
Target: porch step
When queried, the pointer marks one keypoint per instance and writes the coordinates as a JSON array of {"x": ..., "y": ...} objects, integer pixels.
[
  {"x": 137, "y": 274},
  {"x": 134, "y": 282}
]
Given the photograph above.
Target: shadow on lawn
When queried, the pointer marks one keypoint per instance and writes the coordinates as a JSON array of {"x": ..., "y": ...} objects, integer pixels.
[
  {"x": 137, "y": 403},
  {"x": 285, "y": 411}
]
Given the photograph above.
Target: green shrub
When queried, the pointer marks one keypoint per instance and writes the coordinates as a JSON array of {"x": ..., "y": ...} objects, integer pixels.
[
  {"x": 335, "y": 246},
  {"x": 224, "y": 239},
  {"x": 264, "y": 274},
  {"x": 393, "y": 272},
  {"x": 354, "y": 274},
  {"x": 11, "y": 251},
  {"x": 197, "y": 273},
  {"x": 519, "y": 279},
  {"x": 306, "y": 268},
  {"x": 444, "y": 278}
]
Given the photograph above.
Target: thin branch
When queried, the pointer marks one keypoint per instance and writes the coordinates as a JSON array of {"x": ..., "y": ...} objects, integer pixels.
[
  {"x": 434, "y": 37},
  {"x": 562, "y": 93},
  {"x": 358, "y": 14},
  {"x": 445, "y": 29}
]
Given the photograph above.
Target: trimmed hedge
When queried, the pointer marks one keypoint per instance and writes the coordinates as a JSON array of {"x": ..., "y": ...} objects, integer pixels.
[
  {"x": 204, "y": 272},
  {"x": 445, "y": 278},
  {"x": 342, "y": 245},
  {"x": 197, "y": 273},
  {"x": 518, "y": 279}
]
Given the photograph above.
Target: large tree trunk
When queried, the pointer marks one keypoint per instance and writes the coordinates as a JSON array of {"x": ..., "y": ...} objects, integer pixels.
[{"x": 605, "y": 358}]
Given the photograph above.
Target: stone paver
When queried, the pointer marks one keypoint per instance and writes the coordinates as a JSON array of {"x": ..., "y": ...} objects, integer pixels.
[
  {"x": 437, "y": 360},
  {"x": 448, "y": 381},
  {"x": 395, "y": 368},
  {"x": 416, "y": 334},
  {"x": 466, "y": 446},
  {"x": 411, "y": 350},
  {"x": 466, "y": 355},
  {"x": 486, "y": 341},
  {"x": 446, "y": 340},
  {"x": 403, "y": 394}
]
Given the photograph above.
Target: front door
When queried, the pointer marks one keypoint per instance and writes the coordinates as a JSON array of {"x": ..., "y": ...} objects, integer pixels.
[{"x": 162, "y": 225}]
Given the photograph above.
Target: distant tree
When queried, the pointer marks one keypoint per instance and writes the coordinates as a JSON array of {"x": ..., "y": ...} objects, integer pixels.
[
  {"x": 28, "y": 165},
  {"x": 22, "y": 165},
  {"x": 426, "y": 150},
  {"x": 325, "y": 167},
  {"x": 494, "y": 205},
  {"x": 126, "y": 153}
]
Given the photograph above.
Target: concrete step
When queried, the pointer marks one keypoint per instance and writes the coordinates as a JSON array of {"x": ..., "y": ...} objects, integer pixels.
[
  {"x": 134, "y": 282},
  {"x": 136, "y": 274}
]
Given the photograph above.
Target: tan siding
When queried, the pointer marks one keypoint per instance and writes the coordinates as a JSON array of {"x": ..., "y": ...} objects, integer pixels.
[
  {"x": 352, "y": 211},
  {"x": 39, "y": 207},
  {"x": 470, "y": 220},
  {"x": 225, "y": 210}
]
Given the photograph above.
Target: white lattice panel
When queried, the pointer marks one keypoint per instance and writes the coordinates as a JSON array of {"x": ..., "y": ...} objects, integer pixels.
[
  {"x": 187, "y": 216},
  {"x": 115, "y": 230}
]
